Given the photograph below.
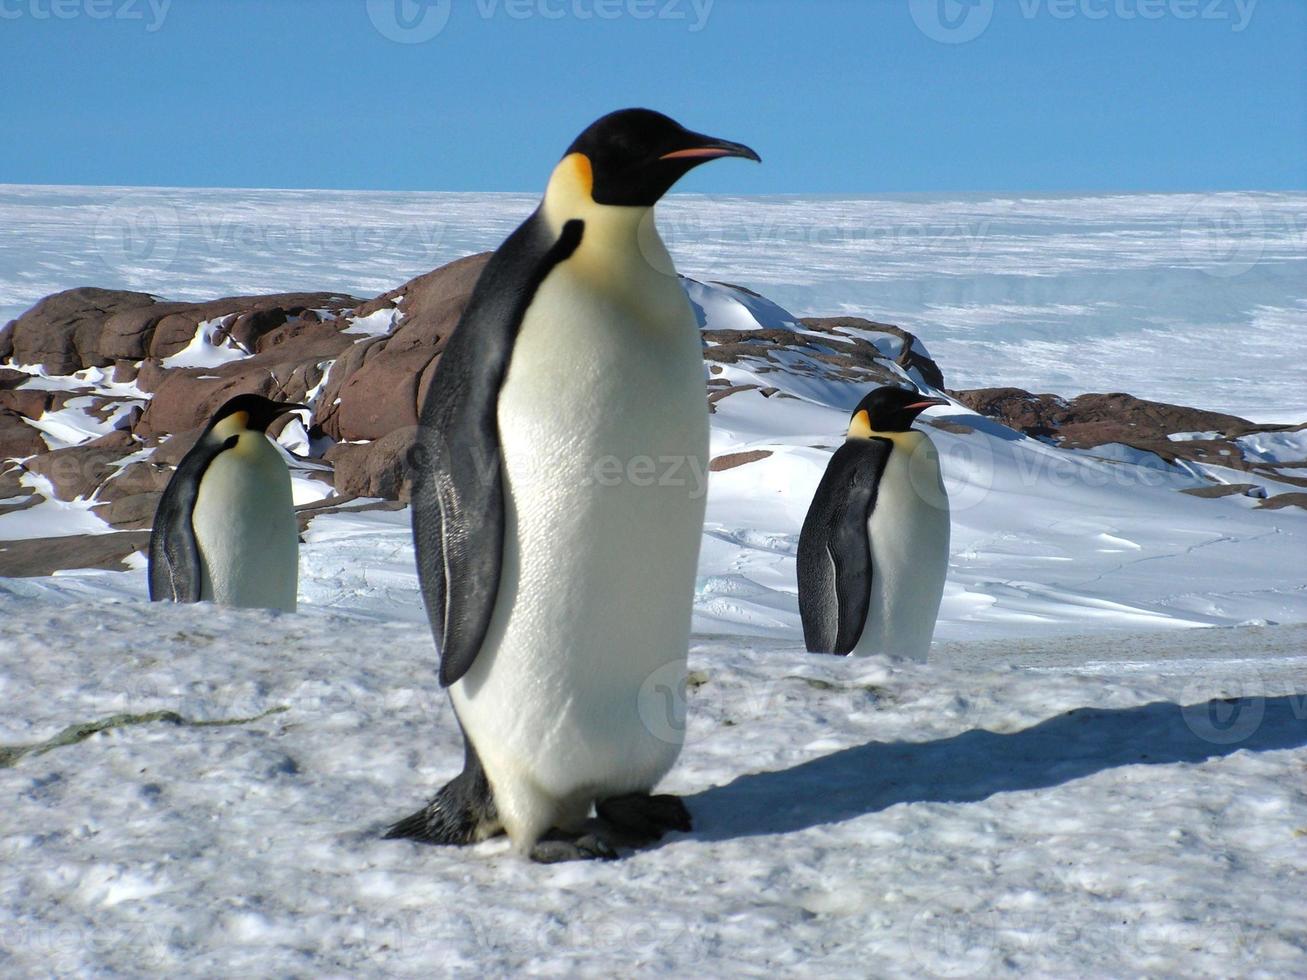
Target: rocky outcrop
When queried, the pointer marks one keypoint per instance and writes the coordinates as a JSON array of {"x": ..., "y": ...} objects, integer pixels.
[
  {"x": 377, "y": 386},
  {"x": 366, "y": 365},
  {"x": 381, "y": 468},
  {"x": 30, "y": 557},
  {"x": 1093, "y": 420},
  {"x": 88, "y": 327},
  {"x": 907, "y": 353},
  {"x": 18, "y": 437},
  {"x": 729, "y": 461}
]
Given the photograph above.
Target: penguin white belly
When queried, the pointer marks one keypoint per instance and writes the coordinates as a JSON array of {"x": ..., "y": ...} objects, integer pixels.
[
  {"x": 245, "y": 528},
  {"x": 604, "y": 433},
  {"x": 909, "y": 534}
]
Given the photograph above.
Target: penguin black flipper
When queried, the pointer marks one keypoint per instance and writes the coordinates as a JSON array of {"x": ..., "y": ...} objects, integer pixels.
[
  {"x": 458, "y": 494},
  {"x": 834, "y": 560},
  {"x": 174, "y": 564}
]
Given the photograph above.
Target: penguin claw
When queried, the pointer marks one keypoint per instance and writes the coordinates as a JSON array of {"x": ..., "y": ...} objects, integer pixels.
[
  {"x": 644, "y": 817},
  {"x": 583, "y": 847}
]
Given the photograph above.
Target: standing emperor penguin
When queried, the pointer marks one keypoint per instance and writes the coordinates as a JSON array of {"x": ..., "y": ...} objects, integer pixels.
[
  {"x": 558, "y": 575},
  {"x": 873, "y": 552},
  {"x": 225, "y": 527}
]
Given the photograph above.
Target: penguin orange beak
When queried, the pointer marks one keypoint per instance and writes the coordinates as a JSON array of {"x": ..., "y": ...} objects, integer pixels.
[
  {"x": 927, "y": 403},
  {"x": 711, "y": 149}
]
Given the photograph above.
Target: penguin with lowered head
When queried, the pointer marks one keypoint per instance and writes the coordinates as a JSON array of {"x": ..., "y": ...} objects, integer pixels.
[
  {"x": 225, "y": 526},
  {"x": 873, "y": 552}
]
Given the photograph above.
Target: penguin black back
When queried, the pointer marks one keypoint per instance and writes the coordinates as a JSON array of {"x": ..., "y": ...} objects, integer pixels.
[
  {"x": 174, "y": 557},
  {"x": 835, "y": 568}
]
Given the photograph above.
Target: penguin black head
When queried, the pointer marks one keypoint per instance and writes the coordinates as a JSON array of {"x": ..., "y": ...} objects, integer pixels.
[
  {"x": 253, "y": 412},
  {"x": 636, "y": 155},
  {"x": 889, "y": 409}
]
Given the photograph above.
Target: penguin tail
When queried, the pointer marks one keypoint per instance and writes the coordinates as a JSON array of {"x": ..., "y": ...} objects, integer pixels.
[
  {"x": 417, "y": 826},
  {"x": 463, "y": 812}
]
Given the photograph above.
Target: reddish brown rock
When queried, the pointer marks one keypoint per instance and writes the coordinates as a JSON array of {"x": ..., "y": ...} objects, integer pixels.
[
  {"x": 1095, "y": 419},
  {"x": 1285, "y": 500},
  {"x": 377, "y": 386},
  {"x": 31, "y": 403},
  {"x": 1221, "y": 490},
  {"x": 907, "y": 356},
  {"x": 187, "y": 397},
  {"x": 131, "y": 513},
  {"x": 174, "y": 447},
  {"x": 88, "y": 327},
  {"x": 833, "y": 355},
  {"x": 77, "y": 471},
  {"x": 62, "y": 332},
  {"x": 377, "y": 469},
  {"x": 31, "y": 557},
  {"x": 11, "y": 483},
  {"x": 18, "y": 438},
  {"x": 165, "y": 328},
  {"x": 729, "y": 461}
]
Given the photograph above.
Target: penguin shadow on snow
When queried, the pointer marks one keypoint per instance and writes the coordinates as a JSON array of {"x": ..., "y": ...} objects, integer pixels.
[{"x": 977, "y": 764}]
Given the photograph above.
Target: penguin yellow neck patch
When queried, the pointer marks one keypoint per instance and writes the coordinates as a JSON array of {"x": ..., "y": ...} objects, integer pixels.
[
  {"x": 860, "y": 428},
  {"x": 233, "y": 425},
  {"x": 573, "y": 178}
]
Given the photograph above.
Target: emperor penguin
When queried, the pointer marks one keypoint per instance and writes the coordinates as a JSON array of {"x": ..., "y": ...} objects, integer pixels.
[
  {"x": 873, "y": 552},
  {"x": 556, "y": 515},
  {"x": 225, "y": 527}
]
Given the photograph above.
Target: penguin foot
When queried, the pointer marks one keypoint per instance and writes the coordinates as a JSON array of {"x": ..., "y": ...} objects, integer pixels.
[
  {"x": 643, "y": 817},
  {"x": 463, "y": 812},
  {"x": 558, "y": 846}
]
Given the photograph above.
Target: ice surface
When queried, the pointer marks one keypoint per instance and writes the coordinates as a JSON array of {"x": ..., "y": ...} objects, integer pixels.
[
  {"x": 1190, "y": 298},
  {"x": 1057, "y": 808},
  {"x": 199, "y": 791}
]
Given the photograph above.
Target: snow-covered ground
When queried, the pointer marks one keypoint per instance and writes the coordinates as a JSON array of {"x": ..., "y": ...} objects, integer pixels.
[
  {"x": 1054, "y": 793},
  {"x": 1045, "y": 808}
]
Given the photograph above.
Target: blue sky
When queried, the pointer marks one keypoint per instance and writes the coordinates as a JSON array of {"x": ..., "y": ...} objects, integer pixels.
[{"x": 842, "y": 96}]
